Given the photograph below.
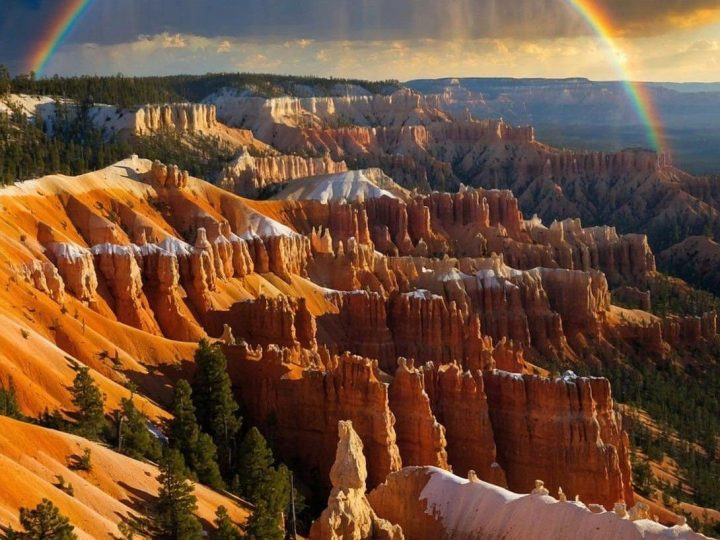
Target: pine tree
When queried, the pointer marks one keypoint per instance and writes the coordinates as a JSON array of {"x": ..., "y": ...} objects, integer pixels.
[
  {"x": 176, "y": 503},
  {"x": 197, "y": 448},
  {"x": 225, "y": 528},
  {"x": 86, "y": 396},
  {"x": 263, "y": 524},
  {"x": 44, "y": 522},
  {"x": 215, "y": 405},
  {"x": 8, "y": 400},
  {"x": 5, "y": 81},
  {"x": 264, "y": 486},
  {"x": 183, "y": 430},
  {"x": 136, "y": 440},
  {"x": 255, "y": 459},
  {"x": 205, "y": 464}
]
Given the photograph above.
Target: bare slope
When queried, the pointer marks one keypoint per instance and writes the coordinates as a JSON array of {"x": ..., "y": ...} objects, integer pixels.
[{"x": 116, "y": 487}]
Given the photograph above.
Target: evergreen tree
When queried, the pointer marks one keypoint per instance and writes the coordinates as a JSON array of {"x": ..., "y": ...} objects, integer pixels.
[
  {"x": 197, "y": 448},
  {"x": 44, "y": 522},
  {"x": 225, "y": 528},
  {"x": 176, "y": 503},
  {"x": 205, "y": 464},
  {"x": 263, "y": 523},
  {"x": 215, "y": 405},
  {"x": 183, "y": 430},
  {"x": 255, "y": 459},
  {"x": 8, "y": 400},
  {"x": 264, "y": 486},
  {"x": 136, "y": 440},
  {"x": 86, "y": 396},
  {"x": 5, "y": 81}
]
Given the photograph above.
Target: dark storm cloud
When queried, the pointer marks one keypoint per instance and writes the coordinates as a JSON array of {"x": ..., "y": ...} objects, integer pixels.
[{"x": 120, "y": 21}]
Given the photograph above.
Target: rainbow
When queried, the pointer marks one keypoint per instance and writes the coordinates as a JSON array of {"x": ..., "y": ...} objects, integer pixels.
[
  {"x": 636, "y": 91},
  {"x": 61, "y": 25}
]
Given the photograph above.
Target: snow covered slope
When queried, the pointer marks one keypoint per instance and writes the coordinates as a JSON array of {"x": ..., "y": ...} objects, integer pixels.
[
  {"x": 428, "y": 502},
  {"x": 350, "y": 185}
]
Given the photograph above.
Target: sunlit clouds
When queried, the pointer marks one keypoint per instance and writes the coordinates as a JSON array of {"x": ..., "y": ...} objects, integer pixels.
[
  {"x": 651, "y": 58},
  {"x": 656, "y": 40}
]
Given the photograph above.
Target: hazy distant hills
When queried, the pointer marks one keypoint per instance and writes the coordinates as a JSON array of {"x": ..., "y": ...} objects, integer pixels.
[{"x": 579, "y": 113}]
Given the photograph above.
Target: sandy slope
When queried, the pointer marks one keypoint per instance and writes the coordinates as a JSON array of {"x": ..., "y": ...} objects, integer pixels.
[
  {"x": 117, "y": 487},
  {"x": 41, "y": 340}
]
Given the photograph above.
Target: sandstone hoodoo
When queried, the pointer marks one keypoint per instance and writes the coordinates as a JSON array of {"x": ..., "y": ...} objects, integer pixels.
[
  {"x": 349, "y": 514},
  {"x": 248, "y": 176},
  {"x": 418, "y": 144},
  {"x": 432, "y": 359}
]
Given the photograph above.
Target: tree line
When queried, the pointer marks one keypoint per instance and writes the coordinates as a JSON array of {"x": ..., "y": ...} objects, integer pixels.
[
  {"x": 128, "y": 92},
  {"x": 204, "y": 444}
]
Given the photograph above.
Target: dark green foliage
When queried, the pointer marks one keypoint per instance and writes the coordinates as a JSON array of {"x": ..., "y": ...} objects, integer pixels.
[
  {"x": 83, "y": 462},
  {"x": 183, "y": 429},
  {"x": 75, "y": 147},
  {"x": 263, "y": 485},
  {"x": 255, "y": 459},
  {"x": 88, "y": 399},
  {"x": 203, "y": 157},
  {"x": 53, "y": 420},
  {"x": 205, "y": 462},
  {"x": 5, "y": 81},
  {"x": 175, "y": 514},
  {"x": 44, "y": 522},
  {"x": 215, "y": 406},
  {"x": 136, "y": 440},
  {"x": 671, "y": 297},
  {"x": 682, "y": 395},
  {"x": 225, "y": 528},
  {"x": 114, "y": 90},
  {"x": 127, "y": 531},
  {"x": 197, "y": 448},
  {"x": 8, "y": 400},
  {"x": 62, "y": 486},
  {"x": 643, "y": 480}
]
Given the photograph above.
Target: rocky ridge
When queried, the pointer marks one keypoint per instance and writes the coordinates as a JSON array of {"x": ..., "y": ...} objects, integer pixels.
[{"x": 419, "y": 145}]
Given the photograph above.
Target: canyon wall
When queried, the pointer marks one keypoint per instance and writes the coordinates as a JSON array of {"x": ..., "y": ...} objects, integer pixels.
[
  {"x": 387, "y": 312},
  {"x": 175, "y": 117},
  {"x": 248, "y": 176}
]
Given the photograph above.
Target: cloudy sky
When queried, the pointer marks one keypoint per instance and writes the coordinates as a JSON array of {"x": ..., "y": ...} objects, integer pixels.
[{"x": 655, "y": 40}]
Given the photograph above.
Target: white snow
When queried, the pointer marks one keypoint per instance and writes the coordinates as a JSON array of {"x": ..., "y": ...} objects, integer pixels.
[
  {"x": 68, "y": 251},
  {"x": 509, "y": 374},
  {"x": 259, "y": 226},
  {"x": 114, "y": 249},
  {"x": 106, "y": 117},
  {"x": 481, "y": 510},
  {"x": 30, "y": 105},
  {"x": 350, "y": 186},
  {"x": 422, "y": 294},
  {"x": 176, "y": 246}
]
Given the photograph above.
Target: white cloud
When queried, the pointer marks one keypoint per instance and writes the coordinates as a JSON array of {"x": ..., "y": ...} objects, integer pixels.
[
  {"x": 646, "y": 59},
  {"x": 174, "y": 41}
]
